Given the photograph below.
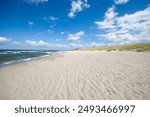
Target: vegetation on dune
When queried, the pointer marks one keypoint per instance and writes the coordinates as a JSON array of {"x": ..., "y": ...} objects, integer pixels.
[{"x": 138, "y": 47}]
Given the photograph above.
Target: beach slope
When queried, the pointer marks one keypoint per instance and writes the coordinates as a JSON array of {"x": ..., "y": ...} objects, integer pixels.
[{"x": 79, "y": 75}]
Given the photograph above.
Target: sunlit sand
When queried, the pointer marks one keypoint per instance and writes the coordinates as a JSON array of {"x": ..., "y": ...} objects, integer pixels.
[{"x": 79, "y": 75}]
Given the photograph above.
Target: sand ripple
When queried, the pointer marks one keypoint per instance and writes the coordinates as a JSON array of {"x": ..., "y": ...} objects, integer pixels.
[{"x": 79, "y": 75}]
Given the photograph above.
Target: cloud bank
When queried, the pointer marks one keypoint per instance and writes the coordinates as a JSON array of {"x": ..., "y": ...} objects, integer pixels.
[
  {"x": 125, "y": 29},
  {"x": 44, "y": 44},
  {"x": 37, "y": 43}
]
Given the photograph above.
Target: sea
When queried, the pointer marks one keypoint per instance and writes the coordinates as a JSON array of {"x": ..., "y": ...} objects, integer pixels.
[{"x": 9, "y": 57}]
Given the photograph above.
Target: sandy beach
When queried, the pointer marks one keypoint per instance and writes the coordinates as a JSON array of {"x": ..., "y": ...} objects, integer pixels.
[{"x": 79, "y": 75}]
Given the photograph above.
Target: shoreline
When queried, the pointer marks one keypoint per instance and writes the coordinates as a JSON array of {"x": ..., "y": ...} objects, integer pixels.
[
  {"x": 73, "y": 75},
  {"x": 56, "y": 53},
  {"x": 10, "y": 63}
]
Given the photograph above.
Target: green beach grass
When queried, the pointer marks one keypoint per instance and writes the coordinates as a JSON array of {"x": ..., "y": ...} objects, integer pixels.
[{"x": 138, "y": 47}]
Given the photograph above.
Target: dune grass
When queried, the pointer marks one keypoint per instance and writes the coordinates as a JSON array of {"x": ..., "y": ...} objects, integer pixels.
[{"x": 138, "y": 47}]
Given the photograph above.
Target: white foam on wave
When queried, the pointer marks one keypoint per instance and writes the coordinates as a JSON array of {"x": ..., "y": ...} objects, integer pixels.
[
  {"x": 7, "y": 63},
  {"x": 28, "y": 51},
  {"x": 16, "y": 52},
  {"x": 3, "y": 53},
  {"x": 27, "y": 59},
  {"x": 48, "y": 52}
]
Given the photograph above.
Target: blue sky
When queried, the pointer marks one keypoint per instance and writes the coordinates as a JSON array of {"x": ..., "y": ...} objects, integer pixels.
[{"x": 68, "y": 24}]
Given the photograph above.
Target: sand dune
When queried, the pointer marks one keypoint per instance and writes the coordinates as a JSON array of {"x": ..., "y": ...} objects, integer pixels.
[{"x": 79, "y": 75}]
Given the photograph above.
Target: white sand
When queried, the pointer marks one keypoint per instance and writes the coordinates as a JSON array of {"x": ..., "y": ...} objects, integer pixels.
[{"x": 79, "y": 75}]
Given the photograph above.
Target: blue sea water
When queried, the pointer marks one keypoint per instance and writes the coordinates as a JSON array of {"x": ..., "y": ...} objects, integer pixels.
[{"x": 8, "y": 57}]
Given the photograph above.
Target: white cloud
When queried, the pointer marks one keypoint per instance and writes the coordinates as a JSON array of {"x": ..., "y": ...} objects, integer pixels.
[
  {"x": 109, "y": 19},
  {"x": 85, "y": 45},
  {"x": 50, "y": 31},
  {"x": 77, "y": 6},
  {"x": 95, "y": 44},
  {"x": 72, "y": 45},
  {"x": 77, "y": 46},
  {"x": 64, "y": 46},
  {"x": 76, "y": 36},
  {"x": 9, "y": 41},
  {"x": 62, "y": 33},
  {"x": 125, "y": 29},
  {"x": 36, "y": 2},
  {"x": 3, "y": 39},
  {"x": 37, "y": 43},
  {"x": 121, "y": 1},
  {"x": 30, "y": 23},
  {"x": 51, "y": 18},
  {"x": 41, "y": 43}
]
